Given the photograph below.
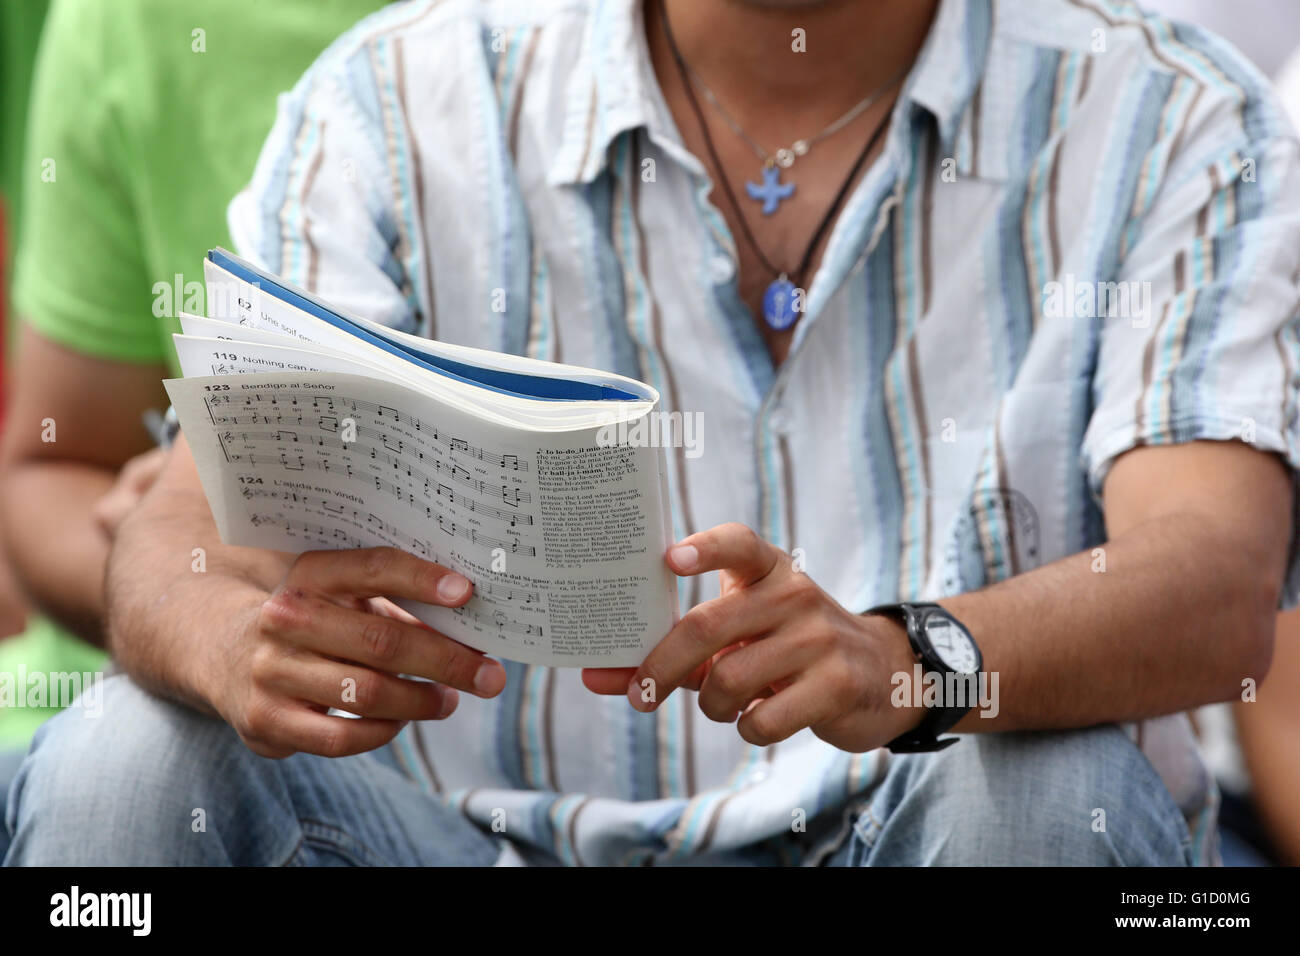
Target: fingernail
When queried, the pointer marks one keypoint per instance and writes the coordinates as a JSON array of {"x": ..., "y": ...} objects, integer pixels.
[
  {"x": 489, "y": 679},
  {"x": 452, "y": 587},
  {"x": 634, "y": 696},
  {"x": 448, "y": 705},
  {"x": 685, "y": 556}
]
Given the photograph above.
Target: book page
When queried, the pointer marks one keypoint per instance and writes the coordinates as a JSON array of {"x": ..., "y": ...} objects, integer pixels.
[
  {"x": 236, "y": 301},
  {"x": 562, "y": 535},
  {"x": 263, "y": 351}
]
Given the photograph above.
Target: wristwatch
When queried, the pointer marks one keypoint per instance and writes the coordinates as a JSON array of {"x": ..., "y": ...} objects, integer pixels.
[{"x": 944, "y": 647}]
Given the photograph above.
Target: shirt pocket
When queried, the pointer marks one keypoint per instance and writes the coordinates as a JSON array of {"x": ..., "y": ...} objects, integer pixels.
[{"x": 1019, "y": 497}]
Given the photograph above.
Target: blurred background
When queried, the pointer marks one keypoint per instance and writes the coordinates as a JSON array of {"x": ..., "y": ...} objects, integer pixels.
[{"x": 125, "y": 128}]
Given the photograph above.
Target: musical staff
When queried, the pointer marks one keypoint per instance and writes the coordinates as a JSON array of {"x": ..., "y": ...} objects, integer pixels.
[
  {"x": 508, "y": 593},
  {"x": 500, "y": 621},
  {"x": 379, "y": 524},
  {"x": 513, "y": 497},
  {"x": 340, "y": 537},
  {"x": 469, "y": 534},
  {"x": 511, "y": 518},
  {"x": 295, "y": 410}
]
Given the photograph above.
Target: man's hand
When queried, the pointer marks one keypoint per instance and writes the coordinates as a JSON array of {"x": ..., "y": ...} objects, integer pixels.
[
  {"x": 327, "y": 637},
  {"x": 133, "y": 481},
  {"x": 773, "y": 649},
  {"x": 269, "y": 641}
]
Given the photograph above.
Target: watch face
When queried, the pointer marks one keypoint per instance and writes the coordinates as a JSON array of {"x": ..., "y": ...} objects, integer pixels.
[{"x": 952, "y": 644}]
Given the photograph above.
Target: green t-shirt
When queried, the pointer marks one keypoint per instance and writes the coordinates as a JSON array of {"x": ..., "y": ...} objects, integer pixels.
[
  {"x": 20, "y": 29},
  {"x": 146, "y": 118}
]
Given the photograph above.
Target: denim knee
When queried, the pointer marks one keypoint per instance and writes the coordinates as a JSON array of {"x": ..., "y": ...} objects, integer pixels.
[
  {"x": 141, "y": 782},
  {"x": 1083, "y": 797}
]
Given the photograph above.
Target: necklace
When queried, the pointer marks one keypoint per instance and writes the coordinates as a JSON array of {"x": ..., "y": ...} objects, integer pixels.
[
  {"x": 771, "y": 192},
  {"x": 779, "y": 300}
]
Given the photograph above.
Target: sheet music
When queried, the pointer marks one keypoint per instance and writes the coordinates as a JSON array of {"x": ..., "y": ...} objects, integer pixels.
[{"x": 563, "y": 538}]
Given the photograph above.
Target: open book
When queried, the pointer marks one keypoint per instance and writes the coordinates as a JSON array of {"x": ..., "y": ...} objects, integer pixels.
[{"x": 313, "y": 428}]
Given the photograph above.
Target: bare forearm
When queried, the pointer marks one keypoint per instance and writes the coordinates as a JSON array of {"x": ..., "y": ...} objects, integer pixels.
[
  {"x": 57, "y": 549},
  {"x": 1268, "y": 727},
  {"x": 1180, "y": 615},
  {"x": 1272, "y": 753},
  {"x": 73, "y": 424},
  {"x": 169, "y": 607}
]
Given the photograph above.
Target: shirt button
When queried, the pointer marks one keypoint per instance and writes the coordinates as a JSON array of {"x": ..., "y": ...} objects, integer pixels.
[
  {"x": 721, "y": 269},
  {"x": 779, "y": 421}
]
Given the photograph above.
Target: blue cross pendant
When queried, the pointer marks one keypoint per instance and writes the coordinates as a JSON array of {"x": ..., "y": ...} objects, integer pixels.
[{"x": 772, "y": 192}]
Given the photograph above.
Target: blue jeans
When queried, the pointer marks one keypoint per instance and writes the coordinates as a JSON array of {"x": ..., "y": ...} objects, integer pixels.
[
  {"x": 10, "y": 761},
  {"x": 153, "y": 783}
]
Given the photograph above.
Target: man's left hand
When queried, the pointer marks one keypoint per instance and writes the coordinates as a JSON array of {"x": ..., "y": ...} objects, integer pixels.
[{"x": 773, "y": 649}]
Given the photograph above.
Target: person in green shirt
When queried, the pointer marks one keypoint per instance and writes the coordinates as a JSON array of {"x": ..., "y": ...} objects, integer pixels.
[
  {"x": 146, "y": 117},
  {"x": 20, "y": 30}
]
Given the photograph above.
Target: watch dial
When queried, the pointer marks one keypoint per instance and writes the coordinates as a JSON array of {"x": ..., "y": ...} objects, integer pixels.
[{"x": 953, "y": 645}]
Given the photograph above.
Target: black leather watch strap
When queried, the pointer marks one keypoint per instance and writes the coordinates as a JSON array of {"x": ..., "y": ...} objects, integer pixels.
[{"x": 924, "y": 737}]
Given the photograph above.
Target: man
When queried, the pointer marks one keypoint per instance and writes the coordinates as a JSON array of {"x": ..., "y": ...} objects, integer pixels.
[{"x": 1092, "y": 491}]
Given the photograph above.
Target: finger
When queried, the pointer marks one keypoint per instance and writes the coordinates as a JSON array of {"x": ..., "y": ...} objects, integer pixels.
[
  {"x": 772, "y": 719},
  {"x": 379, "y": 572},
  {"x": 360, "y": 690},
  {"x": 613, "y": 681},
  {"x": 607, "y": 680},
  {"x": 728, "y": 547},
  {"x": 111, "y": 509},
  {"x": 682, "y": 657},
  {"x": 139, "y": 473},
  {"x": 738, "y": 677},
  {"x": 695, "y": 680},
  {"x": 386, "y": 608},
  {"x": 382, "y": 643},
  {"x": 301, "y": 730}
]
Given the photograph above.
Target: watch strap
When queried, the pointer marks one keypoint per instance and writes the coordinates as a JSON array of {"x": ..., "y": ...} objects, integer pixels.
[{"x": 924, "y": 737}]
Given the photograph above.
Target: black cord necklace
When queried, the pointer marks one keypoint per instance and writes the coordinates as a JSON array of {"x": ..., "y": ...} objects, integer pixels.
[{"x": 779, "y": 310}]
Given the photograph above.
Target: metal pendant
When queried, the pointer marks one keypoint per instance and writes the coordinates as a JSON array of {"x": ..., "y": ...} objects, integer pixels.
[{"x": 779, "y": 305}]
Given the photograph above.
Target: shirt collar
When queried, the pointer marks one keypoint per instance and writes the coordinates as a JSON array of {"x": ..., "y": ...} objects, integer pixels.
[
  {"x": 951, "y": 64},
  {"x": 607, "y": 92},
  {"x": 610, "y": 92}
]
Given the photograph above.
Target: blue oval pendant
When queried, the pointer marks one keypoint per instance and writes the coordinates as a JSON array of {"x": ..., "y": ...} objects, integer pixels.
[{"x": 778, "y": 304}]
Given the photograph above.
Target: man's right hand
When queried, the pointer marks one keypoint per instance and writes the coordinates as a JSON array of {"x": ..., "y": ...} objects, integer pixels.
[
  {"x": 326, "y": 638},
  {"x": 269, "y": 641}
]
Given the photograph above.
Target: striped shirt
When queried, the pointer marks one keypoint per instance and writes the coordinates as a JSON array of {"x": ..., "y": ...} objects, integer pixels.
[{"x": 1081, "y": 236}]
